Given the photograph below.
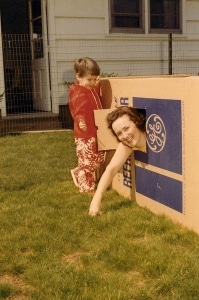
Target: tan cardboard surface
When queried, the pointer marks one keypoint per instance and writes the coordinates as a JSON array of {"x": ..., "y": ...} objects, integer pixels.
[
  {"x": 185, "y": 89},
  {"x": 106, "y": 140},
  {"x": 124, "y": 180}
]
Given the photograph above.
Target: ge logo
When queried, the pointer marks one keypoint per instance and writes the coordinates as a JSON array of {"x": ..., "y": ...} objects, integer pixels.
[{"x": 156, "y": 133}]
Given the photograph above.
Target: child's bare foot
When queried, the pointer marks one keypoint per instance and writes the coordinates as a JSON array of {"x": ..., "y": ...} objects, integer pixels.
[{"x": 73, "y": 177}]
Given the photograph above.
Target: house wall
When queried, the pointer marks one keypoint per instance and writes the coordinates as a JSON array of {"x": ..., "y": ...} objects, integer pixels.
[
  {"x": 192, "y": 18},
  {"x": 81, "y": 28}
]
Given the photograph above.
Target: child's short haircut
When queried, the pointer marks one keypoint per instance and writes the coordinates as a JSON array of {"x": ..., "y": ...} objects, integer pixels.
[{"x": 86, "y": 65}]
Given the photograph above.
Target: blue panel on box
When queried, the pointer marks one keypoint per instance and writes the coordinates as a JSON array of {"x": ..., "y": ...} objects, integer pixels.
[
  {"x": 162, "y": 189},
  {"x": 164, "y": 133}
]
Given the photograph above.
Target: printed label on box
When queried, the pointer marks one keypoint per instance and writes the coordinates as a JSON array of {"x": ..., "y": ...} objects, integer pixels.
[{"x": 164, "y": 143}]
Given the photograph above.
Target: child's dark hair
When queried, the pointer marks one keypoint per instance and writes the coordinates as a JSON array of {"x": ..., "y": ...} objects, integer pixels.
[
  {"x": 86, "y": 65},
  {"x": 135, "y": 115}
]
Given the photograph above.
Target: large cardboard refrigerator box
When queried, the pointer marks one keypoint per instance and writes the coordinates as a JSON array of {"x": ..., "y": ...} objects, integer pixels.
[{"x": 165, "y": 179}]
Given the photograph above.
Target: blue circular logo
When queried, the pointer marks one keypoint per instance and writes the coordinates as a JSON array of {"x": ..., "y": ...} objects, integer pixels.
[{"x": 156, "y": 133}]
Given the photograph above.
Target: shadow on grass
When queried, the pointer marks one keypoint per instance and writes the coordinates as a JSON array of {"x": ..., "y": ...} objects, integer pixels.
[{"x": 122, "y": 204}]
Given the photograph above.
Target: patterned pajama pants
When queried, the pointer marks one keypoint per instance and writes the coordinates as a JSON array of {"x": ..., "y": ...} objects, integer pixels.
[{"x": 89, "y": 160}]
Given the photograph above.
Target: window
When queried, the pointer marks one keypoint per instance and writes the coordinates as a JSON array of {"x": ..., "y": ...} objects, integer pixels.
[
  {"x": 126, "y": 15},
  {"x": 162, "y": 16}
]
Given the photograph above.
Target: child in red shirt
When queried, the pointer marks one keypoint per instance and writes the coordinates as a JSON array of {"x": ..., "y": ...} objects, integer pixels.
[{"x": 84, "y": 98}]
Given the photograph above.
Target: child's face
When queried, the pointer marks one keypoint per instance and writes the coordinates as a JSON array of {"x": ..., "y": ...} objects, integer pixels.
[{"x": 88, "y": 81}]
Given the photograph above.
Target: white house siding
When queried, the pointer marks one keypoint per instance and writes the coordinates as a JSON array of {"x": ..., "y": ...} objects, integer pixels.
[
  {"x": 192, "y": 18},
  {"x": 80, "y": 28}
]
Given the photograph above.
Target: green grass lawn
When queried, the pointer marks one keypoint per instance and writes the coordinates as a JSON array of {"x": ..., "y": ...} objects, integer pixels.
[{"x": 50, "y": 249}]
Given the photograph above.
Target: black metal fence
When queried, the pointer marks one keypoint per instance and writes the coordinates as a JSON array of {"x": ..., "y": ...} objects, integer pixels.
[{"x": 19, "y": 113}]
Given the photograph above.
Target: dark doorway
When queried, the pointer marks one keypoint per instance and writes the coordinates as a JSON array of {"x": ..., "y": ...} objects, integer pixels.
[{"x": 16, "y": 56}]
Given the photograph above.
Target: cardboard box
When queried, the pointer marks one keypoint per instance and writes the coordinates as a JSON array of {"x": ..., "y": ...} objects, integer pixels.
[{"x": 165, "y": 179}]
